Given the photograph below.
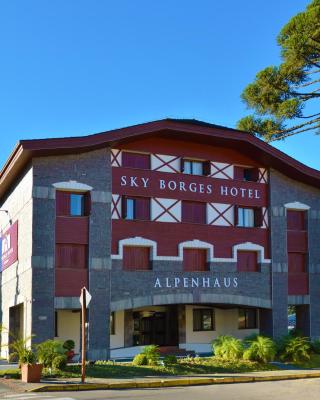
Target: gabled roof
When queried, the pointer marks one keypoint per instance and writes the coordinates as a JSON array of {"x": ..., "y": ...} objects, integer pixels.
[{"x": 186, "y": 129}]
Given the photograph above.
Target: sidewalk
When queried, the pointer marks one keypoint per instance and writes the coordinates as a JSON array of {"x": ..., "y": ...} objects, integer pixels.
[{"x": 58, "y": 385}]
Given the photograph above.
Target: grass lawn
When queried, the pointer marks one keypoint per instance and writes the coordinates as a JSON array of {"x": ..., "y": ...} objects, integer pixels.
[
  {"x": 202, "y": 366},
  {"x": 208, "y": 365},
  {"x": 314, "y": 362}
]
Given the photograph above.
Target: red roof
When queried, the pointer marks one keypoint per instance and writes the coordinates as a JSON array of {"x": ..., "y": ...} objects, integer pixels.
[{"x": 192, "y": 130}]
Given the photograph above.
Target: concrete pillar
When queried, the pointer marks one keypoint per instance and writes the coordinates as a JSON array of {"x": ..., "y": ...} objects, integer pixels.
[
  {"x": 279, "y": 278},
  {"x": 182, "y": 323},
  {"x": 43, "y": 249},
  {"x": 128, "y": 328},
  {"x": 99, "y": 281},
  {"x": 314, "y": 271}
]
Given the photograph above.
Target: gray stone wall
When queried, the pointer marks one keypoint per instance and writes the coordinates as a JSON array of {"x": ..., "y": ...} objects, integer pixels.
[
  {"x": 93, "y": 169},
  {"x": 131, "y": 289},
  {"x": 284, "y": 190}
]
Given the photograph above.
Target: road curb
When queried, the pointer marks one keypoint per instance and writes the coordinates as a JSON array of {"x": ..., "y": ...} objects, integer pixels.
[{"x": 171, "y": 382}]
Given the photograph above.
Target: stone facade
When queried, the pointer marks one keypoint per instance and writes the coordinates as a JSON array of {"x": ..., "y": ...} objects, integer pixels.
[
  {"x": 31, "y": 280},
  {"x": 282, "y": 191}
]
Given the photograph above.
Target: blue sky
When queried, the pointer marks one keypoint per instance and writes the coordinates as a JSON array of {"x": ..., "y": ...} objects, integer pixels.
[{"x": 74, "y": 67}]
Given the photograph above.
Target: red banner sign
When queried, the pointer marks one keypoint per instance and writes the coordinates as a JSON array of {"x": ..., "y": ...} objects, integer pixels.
[
  {"x": 9, "y": 246},
  {"x": 125, "y": 181}
]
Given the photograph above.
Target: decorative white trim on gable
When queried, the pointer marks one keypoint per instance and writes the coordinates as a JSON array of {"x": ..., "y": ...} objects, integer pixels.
[
  {"x": 72, "y": 185},
  {"x": 249, "y": 246},
  {"x": 165, "y": 163},
  {"x": 296, "y": 205},
  {"x": 191, "y": 244},
  {"x": 165, "y": 210},
  {"x": 196, "y": 244},
  {"x": 116, "y": 158},
  {"x": 136, "y": 241}
]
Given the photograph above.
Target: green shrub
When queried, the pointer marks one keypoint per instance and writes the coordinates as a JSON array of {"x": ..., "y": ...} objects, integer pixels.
[
  {"x": 27, "y": 357},
  {"x": 59, "y": 362},
  {"x": 140, "y": 359},
  {"x": 315, "y": 346},
  {"x": 47, "y": 351},
  {"x": 18, "y": 347},
  {"x": 152, "y": 353},
  {"x": 294, "y": 349},
  {"x": 261, "y": 349},
  {"x": 228, "y": 348},
  {"x": 69, "y": 345},
  {"x": 170, "y": 359}
]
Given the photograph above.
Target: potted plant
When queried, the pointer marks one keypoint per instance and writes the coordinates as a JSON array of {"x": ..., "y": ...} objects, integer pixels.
[
  {"x": 30, "y": 370},
  {"x": 69, "y": 346}
]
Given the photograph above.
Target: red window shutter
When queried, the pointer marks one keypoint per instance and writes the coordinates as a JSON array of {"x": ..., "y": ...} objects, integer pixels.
[
  {"x": 297, "y": 262},
  {"x": 236, "y": 215},
  {"x": 142, "y": 210},
  {"x": 62, "y": 203},
  {"x": 123, "y": 207},
  {"x": 181, "y": 164},
  {"x": 136, "y": 258},
  {"x": 247, "y": 261},
  {"x": 195, "y": 260},
  {"x": 206, "y": 168},
  {"x": 296, "y": 220},
  {"x": 71, "y": 256},
  {"x": 194, "y": 212},
  {"x": 238, "y": 173},
  {"x": 258, "y": 218},
  {"x": 87, "y": 203},
  {"x": 135, "y": 160},
  {"x": 254, "y": 174}
]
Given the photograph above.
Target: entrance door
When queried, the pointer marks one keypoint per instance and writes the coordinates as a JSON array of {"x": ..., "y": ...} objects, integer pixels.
[{"x": 153, "y": 329}]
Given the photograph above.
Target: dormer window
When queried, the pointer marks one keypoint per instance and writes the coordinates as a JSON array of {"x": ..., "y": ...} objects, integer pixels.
[
  {"x": 135, "y": 160},
  {"x": 195, "y": 167},
  {"x": 246, "y": 174}
]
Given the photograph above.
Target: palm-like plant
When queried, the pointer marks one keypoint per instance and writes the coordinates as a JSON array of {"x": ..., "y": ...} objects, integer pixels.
[
  {"x": 261, "y": 349},
  {"x": 294, "y": 348},
  {"x": 228, "y": 347}
]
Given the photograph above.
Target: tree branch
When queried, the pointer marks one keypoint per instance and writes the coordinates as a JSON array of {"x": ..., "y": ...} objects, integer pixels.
[
  {"x": 294, "y": 133},
  {"x": 308, "y": 83}
]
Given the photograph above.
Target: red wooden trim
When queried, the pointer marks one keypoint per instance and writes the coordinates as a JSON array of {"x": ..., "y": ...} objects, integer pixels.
[
  {"x": 114, "y": 158},
  {"x": 220, "y": 170},
  {"x": 165, "y": 163},
  {"x": 115, "y": 206},
  {"x": 166, "y": 210},
  {"x": 220, "y": 214}
]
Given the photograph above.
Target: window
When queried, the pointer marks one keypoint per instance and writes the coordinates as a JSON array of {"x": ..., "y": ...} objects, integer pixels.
[
  {"x": 296, "y": 220},
  {"x": 194, "y": 212},
  {"x": 245, "y": 217},
  {"x": 246, "y": 174},
  {"x": 203, "y": 319},
  {"x": 247, "y": 318},
  {"x": 248, "y": 217},
  {"x": 72, "y": 204},
  {"x": 247, "y": 261},
  {"x": 135, "y": 160},
  {"x": 76, "y": 204},
  {"x": 193, "y": 167},
  {"x": 112, "y": 323},
  {"x": 136, "y": 208},
  {"x": 195, "y": 260},
  {"x": 71, "y": 256},
  {"x": 136, "y": 258}
]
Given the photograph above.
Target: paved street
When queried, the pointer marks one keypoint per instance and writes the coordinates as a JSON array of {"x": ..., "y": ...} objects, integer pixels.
[{"x": 284, "y": 390}]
